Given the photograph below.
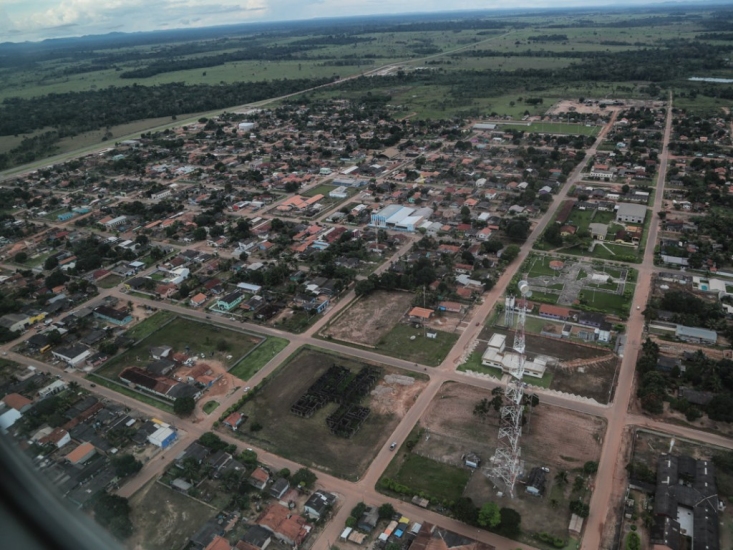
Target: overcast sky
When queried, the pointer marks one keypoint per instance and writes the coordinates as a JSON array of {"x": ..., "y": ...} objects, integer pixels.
[{"x": 37, "y": 19}]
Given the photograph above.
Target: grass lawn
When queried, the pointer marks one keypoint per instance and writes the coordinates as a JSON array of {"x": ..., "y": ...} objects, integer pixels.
[
  {"x": 188, "y": 336},
  {"x": 110, "y": 281},
  {"x": 210, "y": 407},
  {"x": 474, "y": 364},
  {"x": 610, "y": 303},
  {"x": 150, "y": 325},
  {"x": 250, "y": 365},
  {"x": 539, "y": 266},
  {"x": 421, "y": 350},
  {"x": 322, "y": 189},
  {"x": 543, "y": 382},
  {"x": 439, "y": 480},
  {"x": 560, "y": 128},
  {"x": 544, "y": 297},
  {"x": 131, "y": 393},
  {"x": 297, "y": 321}
]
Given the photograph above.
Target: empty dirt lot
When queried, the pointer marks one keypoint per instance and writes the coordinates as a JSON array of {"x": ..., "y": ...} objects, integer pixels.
[
  {"x": 293, "y": 437},
  {"x": 369, "y": 319},
  {"x": 450, "y": 417},
  {"x": 556, "y": 438},
  {"x": 164, "y": 518}
]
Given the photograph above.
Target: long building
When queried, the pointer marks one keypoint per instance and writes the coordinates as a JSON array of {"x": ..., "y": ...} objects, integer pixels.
[{"x": 400, "y": 218}]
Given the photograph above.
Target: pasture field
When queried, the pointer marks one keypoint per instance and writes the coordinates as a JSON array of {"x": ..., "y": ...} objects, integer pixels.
[{"x": 292, "y": 437}]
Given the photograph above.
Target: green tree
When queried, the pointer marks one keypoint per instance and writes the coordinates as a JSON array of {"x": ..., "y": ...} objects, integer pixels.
[
  {"x": 126, "y": 465},
  {"x": 590, "y": 467},
  {"x": 304, "y": 478},
  {"x": 489, "y": 515},
  {"x": 51, "y": 263},
  {"x": 184, "y": 406},
  {"x": 580, "y": 508},
  {"x": 358, "y": 510},
  {"x": 510, "y": 253},
  {"x": 561, "y": 477},
  {"x": 199, "y": 234},
  {"x": 464, "y": 510},
  {"x": 386, "y": 511},
  {"x": 509, "y": 523},
  {"x": 21, "y": 258},
  {"x": 113, "y": 513},
  {"x": 633, "y": 541}
]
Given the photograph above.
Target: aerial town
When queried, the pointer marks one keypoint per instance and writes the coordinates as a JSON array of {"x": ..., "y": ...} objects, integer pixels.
[{"x": 315, "y": 324}]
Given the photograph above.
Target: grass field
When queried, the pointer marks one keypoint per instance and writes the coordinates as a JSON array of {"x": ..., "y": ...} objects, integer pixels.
[
  {"x": 110, "y": 281},
  {"x": 211, "y": 340},
  {"x": 250, "y": 365},
  {"x": 426, "y": 351},
  {"x": 210, "y": 406},
  {"x": 150, "y": 325},
  {"x": 437, "y": 479},
  {"x": 293, "y": 437},
  {"x": 164, "y": 518},
  {"x": 474, "y": 364},
  {"x": 323, "y": 189},
  {"x": 557, "y": 128},
  {"x": 124, "y": 390}
]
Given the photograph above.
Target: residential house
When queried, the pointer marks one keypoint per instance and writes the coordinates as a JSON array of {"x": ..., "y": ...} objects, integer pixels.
[
  {"x": 317, "y": 504},
  {"x": 72, "y": 355},
  {"x": 287, "y": 527},
  {"x": 554, "y": 312},
  {"x": 259, "y": 478},
  {"x": 279, "y": 488},
  {"x": 113, "y": 316},
  {"x": 255, "y": 537},
  {"x": 234, "y": 420},
  {"x": 230, "y": 301}
]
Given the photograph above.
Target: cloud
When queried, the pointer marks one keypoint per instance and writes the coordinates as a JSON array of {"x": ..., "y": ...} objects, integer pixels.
[{"x": 37, "y": 19}]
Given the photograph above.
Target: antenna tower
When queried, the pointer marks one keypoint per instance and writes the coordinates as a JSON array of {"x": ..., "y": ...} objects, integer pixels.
[
  {"x": 509, "y": 302},
  {"x": 507, "y": 465}
]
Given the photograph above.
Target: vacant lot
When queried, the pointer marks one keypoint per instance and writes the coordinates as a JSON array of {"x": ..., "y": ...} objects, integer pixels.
[
  {"x": 185, "y": 335},
  {"x": 164, "y": 518},
  {"x": 250, "y": 365},
  {"x": 556, "y": 438},
  {"x": 438, "y": 479},
  {"x": 583, "y": 370},
  {"x": 295, "y": 438},
  {"x": 370, "y": 318},
  {"x": 412, "y": 344}
]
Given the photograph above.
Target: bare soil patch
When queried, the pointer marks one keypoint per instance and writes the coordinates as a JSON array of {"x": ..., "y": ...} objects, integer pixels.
[
  {"x": 553, "y": 437},
  {"x": 552, "y": 347},
  {"x": 591, "y": 380},
  {"x": 371, "y": 318},
  {"x": 164, "y": 518}
]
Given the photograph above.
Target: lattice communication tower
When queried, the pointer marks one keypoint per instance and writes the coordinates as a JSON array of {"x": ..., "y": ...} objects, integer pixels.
[{"x": 507, "y": 465}]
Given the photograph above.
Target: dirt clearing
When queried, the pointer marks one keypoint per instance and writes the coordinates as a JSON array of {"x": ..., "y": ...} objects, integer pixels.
[
  {"x": 164, "y": 519},
  {"x": 555, "y": 438},
  {"x": 370, "y": 318}
]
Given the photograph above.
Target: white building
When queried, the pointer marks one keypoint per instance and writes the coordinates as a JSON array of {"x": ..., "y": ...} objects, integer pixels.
[
  {"x": 338, "y": 193},
  {"x": 630, "y": 213},
  {"x": 246, "y": 126},
  {"x": 498, "y": 357},
  {"x": 52, "y": 389}
]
